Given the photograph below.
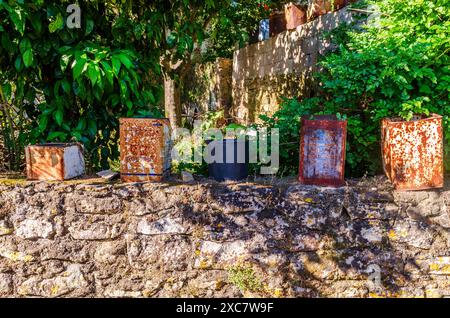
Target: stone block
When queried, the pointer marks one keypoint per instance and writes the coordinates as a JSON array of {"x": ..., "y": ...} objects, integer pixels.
[{"x": 35, "y": 229}]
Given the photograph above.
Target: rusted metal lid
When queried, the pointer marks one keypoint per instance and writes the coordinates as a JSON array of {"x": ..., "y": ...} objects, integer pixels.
[
  {"x": 322, "y": 117},
  {"x": 57, "y": 144},
  {"x": 394, "y": 120},
  {"x": 144, "y": 117}
]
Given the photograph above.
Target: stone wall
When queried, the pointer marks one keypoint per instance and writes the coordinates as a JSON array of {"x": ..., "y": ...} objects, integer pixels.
[
  {"x": 208, "y": 88},
  {"x": 222, "y": 240},
  {"x": 281, "y": 66}
]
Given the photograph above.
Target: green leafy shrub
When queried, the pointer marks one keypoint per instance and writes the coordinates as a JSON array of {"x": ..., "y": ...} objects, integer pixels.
[
  {"x": 287, "y": 121},
  {"x": 62, "y": 84},
  {"x": 396, "y": 65},
  {"x": 193, "y": 143}
]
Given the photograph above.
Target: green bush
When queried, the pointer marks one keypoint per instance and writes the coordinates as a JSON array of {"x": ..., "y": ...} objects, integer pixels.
[
  {"x": 62, "y": 84},
  {"x": 396, "y": 65}
]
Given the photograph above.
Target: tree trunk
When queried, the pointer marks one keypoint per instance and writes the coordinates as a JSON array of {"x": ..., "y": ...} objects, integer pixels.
[{"x": 172, "y": 102}]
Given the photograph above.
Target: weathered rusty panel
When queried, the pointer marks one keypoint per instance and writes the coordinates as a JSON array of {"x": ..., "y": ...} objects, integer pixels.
[
  {"x": 277, "y": 24},
  {"x": 144, "y": 149},
  {"x": 295, "y": 15},
  {"x": 54, "y": 161},
  {"x": 321, "y": 7},
  {"x": 413, "y": 152},
  {"x": 322, "y": 151}
]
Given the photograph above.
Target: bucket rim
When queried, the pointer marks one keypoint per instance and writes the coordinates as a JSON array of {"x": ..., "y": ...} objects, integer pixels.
[{"x": 399, "y": 120}]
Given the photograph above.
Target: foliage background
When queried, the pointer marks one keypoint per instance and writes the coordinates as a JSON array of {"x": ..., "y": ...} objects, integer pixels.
[
  {"x": 61, "y": 84},
  {"x": 396, "y": 64}
]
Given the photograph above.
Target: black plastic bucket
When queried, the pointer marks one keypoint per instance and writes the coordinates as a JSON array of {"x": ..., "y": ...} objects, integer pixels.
[{"x": 230, "y": 168}]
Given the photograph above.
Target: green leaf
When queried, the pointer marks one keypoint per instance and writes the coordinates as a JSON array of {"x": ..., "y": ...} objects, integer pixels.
[
  {"x": 64, "y": 62},
  {"x": 57, "y": 24},
  {"x": 36, "y": 22},
  {"x": 76, "y": 135},
  {"x": 89, "y": 26},
  {"x": 151, "y": 97},
  {"x": 7, "y": 92},
  {"x": 93, "y": 73},
  {"x": 43, "y": 123},
  {"x": 59, "y": 116},
  {"x": 66, "y": 86},
  {"x": 80, "y": 67},
  {"x": 18, "y": 20},
  {"x": 125, "y": 61},
  {"x": 28, "y": 58},
  {"x": 81, "y": 124},
  {"x": 25, "y": 45},
  {"x": 129, "y": 105},
  {"x": 92, "y": 127},
  {"x": 18, "y": 63},
  {"x": 115, "y": 100},
  {"x": 56, "y": 135},
  {"x": 116, "y": 65},
  {"x": 108, "y": 72},
  {"x": 425, "y": 89}
]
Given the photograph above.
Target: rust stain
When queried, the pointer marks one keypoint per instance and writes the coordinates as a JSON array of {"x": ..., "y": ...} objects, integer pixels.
[
  {"x": 295, "y": 15},
  {"x": 322, "y": 151},
  {"x": 413, "y": 152},
  {"x": 46, "y": 162},
  {"x": 144, "y": 149}
]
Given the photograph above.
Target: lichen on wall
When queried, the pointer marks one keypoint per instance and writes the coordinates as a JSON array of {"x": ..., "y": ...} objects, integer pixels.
[{"x": 208, "y": 239}]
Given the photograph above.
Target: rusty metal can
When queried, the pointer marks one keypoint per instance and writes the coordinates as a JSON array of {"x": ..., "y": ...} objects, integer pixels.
[
  {"x": 413, "y": 152},
  {"x": 144, "y": 149},
  {"x": 54, "y": 161},
  {"x": 322, "y": 151},
  {"x": 295, "y": 15},
  {"x": 320, "y": 7}
]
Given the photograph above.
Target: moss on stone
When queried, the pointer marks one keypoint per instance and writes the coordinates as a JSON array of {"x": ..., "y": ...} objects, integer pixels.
[{"x": 245, "y": 278}]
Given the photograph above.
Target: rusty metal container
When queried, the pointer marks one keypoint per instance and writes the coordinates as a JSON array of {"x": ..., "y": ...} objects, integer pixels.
[
  {"x": 322, "y": 150},
  {"x": 413, "y": 152},
  {"x": 277, "y": 23},
  {"x": 54, "y": 161},
  {"x": 144, "y": 149},
  {"x": 295, "y": 15},
  {"x": 321, "y": 7}
]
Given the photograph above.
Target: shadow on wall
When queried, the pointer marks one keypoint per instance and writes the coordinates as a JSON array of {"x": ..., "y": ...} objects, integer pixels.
[
  {"x": 312, "y": 242},
  {"x": 280, "y": 66}
]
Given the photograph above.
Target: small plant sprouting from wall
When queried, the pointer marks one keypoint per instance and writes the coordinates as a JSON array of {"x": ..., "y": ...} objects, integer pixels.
[{"x": 244, "y": 277}]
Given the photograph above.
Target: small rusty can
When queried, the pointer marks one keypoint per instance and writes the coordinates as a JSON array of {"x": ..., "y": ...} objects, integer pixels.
[
  {"x": 322, "y": 151},
  {"x": 54, "y": 161},
  {"x": 144, "y": 149},
  {"x": 295, "y": 15},
  {"x": 413, "y": 152}
]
